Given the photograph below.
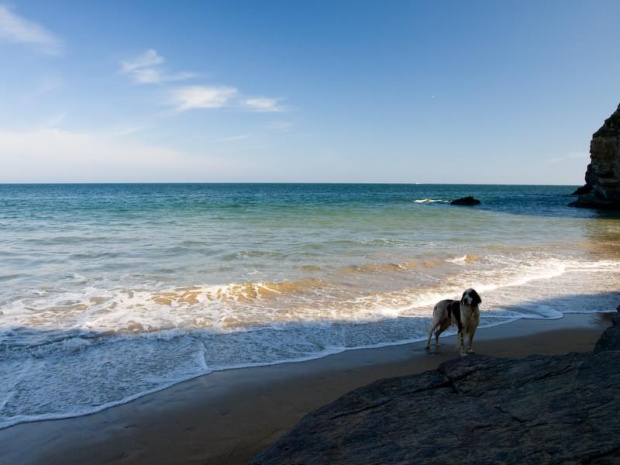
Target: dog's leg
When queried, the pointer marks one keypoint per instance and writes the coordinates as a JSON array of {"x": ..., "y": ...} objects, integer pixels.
[
  {"x": 430, "y": 334},
  {"x": 440, "y": 328},
  {"x": 471, "y": 341},
  {"x": 437, "y": 333},
  {"x": 460, "y": 343}
]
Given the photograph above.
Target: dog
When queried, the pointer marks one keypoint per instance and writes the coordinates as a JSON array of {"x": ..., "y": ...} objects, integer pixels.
[{"x": 464, "y": 313}]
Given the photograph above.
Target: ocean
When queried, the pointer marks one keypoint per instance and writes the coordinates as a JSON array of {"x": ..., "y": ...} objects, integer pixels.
[{"x": 114, "y": 291}]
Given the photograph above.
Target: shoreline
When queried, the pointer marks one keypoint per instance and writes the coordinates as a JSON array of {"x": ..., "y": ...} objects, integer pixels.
[{"x": 229, "y": 416}]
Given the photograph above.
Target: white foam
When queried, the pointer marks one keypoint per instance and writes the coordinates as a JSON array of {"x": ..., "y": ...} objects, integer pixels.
[
  {"x": 430, "y": 201},
  {"x": 90, "y": 358},
  {"x": 232, "y": 308},
  {"x": 458, "y": 260}
]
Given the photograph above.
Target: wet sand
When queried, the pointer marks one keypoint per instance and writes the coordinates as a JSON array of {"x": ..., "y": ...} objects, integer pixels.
[{"x": 227, "y": 417}]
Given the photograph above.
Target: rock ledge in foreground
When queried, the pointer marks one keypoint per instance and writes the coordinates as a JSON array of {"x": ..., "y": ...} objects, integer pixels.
[{"x": 473, "y": 410}]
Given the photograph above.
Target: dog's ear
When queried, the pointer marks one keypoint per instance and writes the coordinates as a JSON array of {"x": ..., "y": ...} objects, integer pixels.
[
  {"x": 463, "y": 296},
  {"x": 476, "y": 298}
]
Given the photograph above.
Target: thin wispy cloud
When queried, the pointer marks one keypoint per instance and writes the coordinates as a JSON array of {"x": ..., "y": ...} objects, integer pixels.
[
  {"x": 263, "y": 104},
  {"x": 155, "y": 76},
  {"x": 280, "y": 126},
  {"x": 147, "y": 69},
  {"x": 126, "y": 130},
  {"x": 196, "y": 97},
  {"x": 235, "y": 138},
  {"x": 14, "y": 28},
  {"x": 148, "y": 59},
  {"x": 193, "y": 97},
  {"x": 46, "y": 85},
  {"x": 55, "y": 121}
]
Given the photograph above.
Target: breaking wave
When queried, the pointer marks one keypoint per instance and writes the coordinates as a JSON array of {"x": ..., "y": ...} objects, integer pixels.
[{"x": 71, "y": 363}]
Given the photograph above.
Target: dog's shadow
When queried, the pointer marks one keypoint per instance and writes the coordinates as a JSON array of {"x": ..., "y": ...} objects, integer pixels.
[
  {"x": 443, "y": 351},
  {"x": 426, "y": 351}
]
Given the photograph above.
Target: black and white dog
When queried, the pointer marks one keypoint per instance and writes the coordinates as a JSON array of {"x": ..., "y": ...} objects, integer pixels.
[{"x": 464, "y": 313}]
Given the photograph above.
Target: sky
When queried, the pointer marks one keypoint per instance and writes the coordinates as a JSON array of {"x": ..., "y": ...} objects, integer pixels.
[{"x": 472, "y": 92}]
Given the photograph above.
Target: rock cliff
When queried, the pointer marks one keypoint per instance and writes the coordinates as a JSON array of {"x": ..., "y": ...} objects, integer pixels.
[
  {"x": 602, "y": 188},
  {"x": 473, "y": 410}
]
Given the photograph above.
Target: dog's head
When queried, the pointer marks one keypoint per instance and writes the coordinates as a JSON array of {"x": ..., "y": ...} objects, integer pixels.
[{"x": 470, "y": 298}]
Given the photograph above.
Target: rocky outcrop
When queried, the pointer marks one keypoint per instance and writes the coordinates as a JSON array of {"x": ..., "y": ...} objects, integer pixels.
[
  {"x": 468, "y": 201},
  {"x": 602, "y": 188},
  {"x": 473, "y": 410}
]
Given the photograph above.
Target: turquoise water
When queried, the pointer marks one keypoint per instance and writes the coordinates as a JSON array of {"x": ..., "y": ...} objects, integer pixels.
[{"x": 114, "y": 291}]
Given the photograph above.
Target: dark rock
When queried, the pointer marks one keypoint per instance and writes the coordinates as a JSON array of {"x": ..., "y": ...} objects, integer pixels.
[
  {"x": 603, "y": 172},
  {"x": 472, "y": 410},
  {"x": 583, "y": 190},
  {"x": 465, "y": 201}
]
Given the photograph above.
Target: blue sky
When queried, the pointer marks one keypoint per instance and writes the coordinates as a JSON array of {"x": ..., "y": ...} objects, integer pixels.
[{"x": 304, "y": 91}]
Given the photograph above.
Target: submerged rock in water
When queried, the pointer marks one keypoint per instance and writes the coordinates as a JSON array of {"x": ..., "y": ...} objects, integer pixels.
[
  {"x": 602, "y": 188},
  {"x": 473, "y": 410},
  {"x": 469, "y": 200}
]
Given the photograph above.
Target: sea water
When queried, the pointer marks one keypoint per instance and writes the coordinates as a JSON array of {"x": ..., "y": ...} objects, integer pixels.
[{"x": 110, "y": 292}]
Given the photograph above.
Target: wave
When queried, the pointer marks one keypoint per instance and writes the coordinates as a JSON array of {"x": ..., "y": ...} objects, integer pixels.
[
  {"x": 361, "y": 292},
  {"x": 387, "y": 268},
  {"x": 62, "y": 352},
  {"x": 465, "y": 259},
  {"x": 430, "y": 201}
]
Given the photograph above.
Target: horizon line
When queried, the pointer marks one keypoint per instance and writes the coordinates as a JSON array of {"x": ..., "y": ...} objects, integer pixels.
[{"x": 280, "y": 182}]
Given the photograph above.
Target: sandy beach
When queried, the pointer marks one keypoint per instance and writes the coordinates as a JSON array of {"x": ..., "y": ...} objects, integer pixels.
[{"x": 227, "y": 417}]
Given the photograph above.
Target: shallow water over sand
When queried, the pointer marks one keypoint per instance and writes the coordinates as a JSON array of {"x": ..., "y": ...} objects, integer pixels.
[{"x": 113, "y": 291}]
